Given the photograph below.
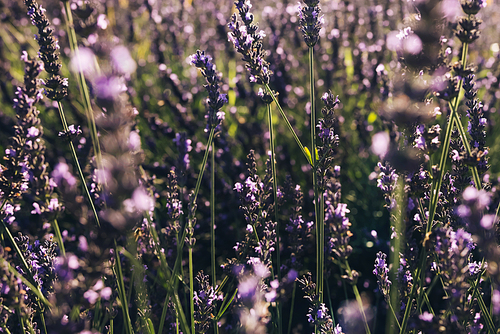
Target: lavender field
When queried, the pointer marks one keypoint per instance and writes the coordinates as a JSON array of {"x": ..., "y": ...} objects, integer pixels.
[{"x": 249, "y": 166}]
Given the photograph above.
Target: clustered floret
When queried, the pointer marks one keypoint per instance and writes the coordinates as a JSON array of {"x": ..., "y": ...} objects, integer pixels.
[
  {"x": 310, "y": 21},
  {"x": 56, "y": 87},
  {"x": 215, "y": 100},
  {"x": 248, "y": 42}
]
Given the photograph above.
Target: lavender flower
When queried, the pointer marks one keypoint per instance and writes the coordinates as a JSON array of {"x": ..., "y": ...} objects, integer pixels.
[
  {"x": 318, "y": 314},
  {"x": 215, "y": 100},
  {"x": 12, "y": 294},
  {"x": 184, "y": 147},
  {"x": 472, "y": 7},
  {"x": 255, "y": 296},
  {"x": 56, "y": 86},
  {"x": 297, "y": 229},
  {"x": 328, "y": 139},
  {"x": 15, "y": 173},
  {"x": 476, "y": 126},
  {"x": 25, "y": 166},
  {"x": 72, "y": 132},
  {"x": 387, "y": 182},
  {"x": 453, "y": 249},
  {"x": 338, "y": 233},
  {"x": 248, "y": 42},
  {"x": 382, "y": 272},
  {"x": 257, "y": 206},
  {"x": 205, "y": 300},
  {"x": 310, "y": 21},
  {"x": 40, "y": 256}
]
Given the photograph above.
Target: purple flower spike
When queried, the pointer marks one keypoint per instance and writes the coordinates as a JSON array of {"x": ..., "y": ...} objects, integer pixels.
[
  {"x": 215, "y": 100},
  {"x": 382, "y": 272}
]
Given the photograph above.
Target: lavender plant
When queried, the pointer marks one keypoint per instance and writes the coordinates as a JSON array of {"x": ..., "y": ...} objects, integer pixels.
[{"x": 140, "y": 129}]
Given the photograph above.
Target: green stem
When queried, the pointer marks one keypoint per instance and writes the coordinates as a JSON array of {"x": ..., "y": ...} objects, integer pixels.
[
  {"x": 21, "y": 320},
  {"x": 358, "y": 299},
  {"x": 454, "y": 120},
  {"x": 413, "y": 290},
  {"x": 212, "y": 227},
  {"x": 191, "y": 287},
  {"x": 318, "y": 197},
  {"x": 395, "y": 317},
  {"x": 292, "y": 307},
  {"x": 397, "y": 222},
  {"x": 29, "y": 284},
  {"x": 77, "y": 163},
  {"x": 190, "y": 227},
  {"x": 463, "y": 137},
  {"x": 5, "y": 329},
  {"x": 330, "y": 304},
  {"x": 163, "y": 314},
  {"x": 121, "y": 291},
  {"x": 59, "y": 238},
  {"x": 289, "y": 126},
  {"x": 171, "y": 277},
  {"x": 174, "y": 277},
  {"x": 203, "y": 164},
  {"x": 313, "y": 106},
  {"x": 84, "y": 91},
  {"x": 275, "y": 196},
  {"x": 212, "y": 217}
]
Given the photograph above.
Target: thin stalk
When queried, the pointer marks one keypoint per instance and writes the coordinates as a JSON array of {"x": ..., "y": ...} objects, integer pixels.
[
  {"x": 395, "y": 317},
  {"x": 190, "y": 226},
  {"x": 289, "y": 126},
  {"x": 484, "y": 310},
  {"x": 59, "y": 238},
  {"x": 171, "y": 280},
  {"x": 203, "y": 165},
  {"x": 21, "y": 320},
  {"x": 463, "y": 137},
  {"x": 191, "y": 286},
  {"x": 121, "y": 291},
  {"x": 180, "y": 315},
  {"x": 313, "y": 106},
  {"x": 428, "y": 303},
  {"x": 397, "y": 222},
  {"x": 359, "y": 300},
  {"x": 163, "y": 315},
  {"x": 30, "y": 327},
  {"x": 318, "y": 198},
  {"x": 413, "y": 290},
  {"x": 84, "y": 91},
  {"x": 77, "y": 163},
  {"x": 34, "y": 288},
  {"x": 212, "y": 216},
  {"x": 292, "y": 307},
  {"x": 5, "y": 329},
  {"x": 454, "y": 120},
  {"x": 212, "y": 227},
  {"x": 275, "y": 195},
  {"x": 174, "y": 277},
  {"x": 321, "y": 244}
]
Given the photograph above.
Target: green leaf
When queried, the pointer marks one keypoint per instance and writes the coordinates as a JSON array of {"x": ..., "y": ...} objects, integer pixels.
[{"x": 308, "y": 155}]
